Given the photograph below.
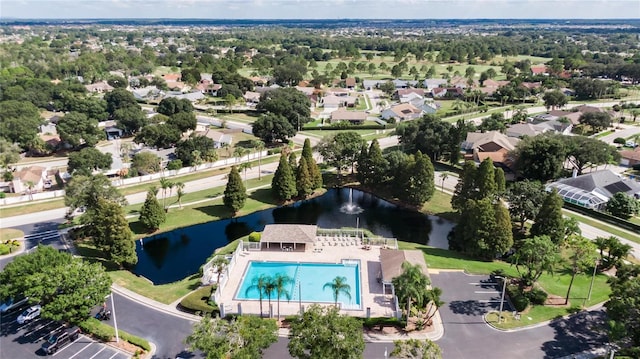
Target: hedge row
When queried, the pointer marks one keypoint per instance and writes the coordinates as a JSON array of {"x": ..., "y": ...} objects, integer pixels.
[
  {"x": 518, "y": 299},
  {"x": 105, "y": 333}
]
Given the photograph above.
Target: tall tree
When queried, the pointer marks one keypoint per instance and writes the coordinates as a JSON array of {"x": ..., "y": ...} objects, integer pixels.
[
  {"x": 341, "y": 150},
  {"x": 501, "y": 182},
  {"x": 284, "y": 182},
  {"x": 19, "y": 122},
  {"x": 259, "y": 283},
  {"x": 321, "y": 332},
  {"x": 259, "y": 147},
  {"x": 622, "y": 205},
  {"x": 554, "y": 99},
  {"x": 304, "y": 181},
  {"x": 466, "y": 186},
  {"x": 623, "y": 307},
  {"x": 525, "y": 199},
  {"x": 170, "y": 106},
  {"x": 66, "y": 287},
  {"x": 85, "y": 191},
  {"x": 294, "y": 105},
  {"x": 419, "y": 185},
  {"x": 77, "y": 129},
  {"x": 597, "y": 120},
  {"x": 502, "y": 239},
  {"x": 549, "y": 220},
  {"x": 109, "y": 230},
  {"x": 416, "y": 349},
  {"x": 485, "y": 179},
  {"x": 87, "y": 160},
  {"x": 411, "y": 286},
  {"x": 272, "y": 127},
  {"x": 152, "y": 215},
  {"x": 235, "y": 194},
  {"x": 165, "y": 184},
  {"x": 583, "y": 256},
  {"x": 338, "y": 286},
  {"x": 314, "y": 170},
  {"x": 243, "y": 337},
  {"x": 536, "y": 256},
  {"x": 585, "y": 151},
  {"x": 540, "y": 157}
]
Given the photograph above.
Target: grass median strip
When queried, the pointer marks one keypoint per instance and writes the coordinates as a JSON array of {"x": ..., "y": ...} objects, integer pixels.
[{"x": 605, "y": 227}]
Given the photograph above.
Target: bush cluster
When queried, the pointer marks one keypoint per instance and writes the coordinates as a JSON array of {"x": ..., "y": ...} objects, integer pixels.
[
  {"x": 255, "y": 236},
  {"x": 104, "y": 332},
  {"x": 537, "y": 296},
  {"x": 517, "y": 297}
]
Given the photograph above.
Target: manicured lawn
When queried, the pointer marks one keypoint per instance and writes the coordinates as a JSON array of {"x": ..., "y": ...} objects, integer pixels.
[
  {"x": 440, "y": 204},
  {"x": 165, "y": 293},
  {"x": 7, "y": 234},
  {"x": 239, "y": 117},
  {"x": 31, "y": 208}
]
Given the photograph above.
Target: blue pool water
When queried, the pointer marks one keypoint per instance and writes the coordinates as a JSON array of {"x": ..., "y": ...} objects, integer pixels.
[{"x": 309, "y": 277}]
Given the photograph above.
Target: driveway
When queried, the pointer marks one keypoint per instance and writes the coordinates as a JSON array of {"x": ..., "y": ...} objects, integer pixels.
[{"x": 466, "y": 336}]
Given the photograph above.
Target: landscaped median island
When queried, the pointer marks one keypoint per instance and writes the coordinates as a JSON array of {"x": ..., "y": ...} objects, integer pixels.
[
  {"x": 9, "y": 240},
  {"x": 106, "y": 333}
]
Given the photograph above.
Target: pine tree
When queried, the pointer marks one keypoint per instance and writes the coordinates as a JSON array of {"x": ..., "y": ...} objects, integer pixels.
[
  {"x": 363, "y": 167},
  {"x": 475, "y": 232},
  {"x": 110, "y": 232},
  {"x": 420, "y": 186},
  {"x": 549, "y": 220},
  {"x": 503, "y": 233},
  {"x": 284, "y": 182},
  {"x": 314, "y": 170},
  {"x": 304, "y": 182},
  {"x": 500, "y": 181},
  {"x": 151, "y": 214},
  {"x": 235, "y": 194},
  {"x": 465, "y": 189},
  {"x": 485, "y": 179},
  {"x": 293, "y": 161}
]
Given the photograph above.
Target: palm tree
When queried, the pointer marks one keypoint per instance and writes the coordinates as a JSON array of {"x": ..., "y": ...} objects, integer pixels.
[
  {"x": 433, "y": 299},
  {"x": 411, "y": 285},
  {"x": 444, "y": 177},
  {"x": 269, "y": 288},
  {"x": 280, "y": 281},
  {"x": 338, "y": 285},
  {"x": 180, "y": 192},
  {"x": 244, "y": 167},
  {"x": 259, "y": 283},
  {"x": 165, "y": 184},
  {"x": 220, "y": 263},
  {"x": 259, "y": 146},
  {"x": 239, "y": 152}
]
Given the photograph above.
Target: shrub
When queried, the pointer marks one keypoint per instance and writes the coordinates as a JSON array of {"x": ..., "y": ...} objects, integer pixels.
[
  {"x": 255, "y": 236},
  {"x": 518, "y": 299},
  {"x": 3, "y": 195},
  {"x": 4, "y": 249},
  {"x": 97, "y": 329},
  {"x": 370, "y": 323},
  {"x": 537, "y": 296},
  {"x": 174, "y": 165},
  {"x": 198, "y": 301},
  {"x": 135, "y": 340},
  {"x": 620, "y": 140}
]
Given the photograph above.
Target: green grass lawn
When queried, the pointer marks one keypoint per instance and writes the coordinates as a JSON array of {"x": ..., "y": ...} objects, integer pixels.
[
  {"x": 7, "y": 234},
  {"x": 31, "y": 208},
  {"x": 439, "y": 204},
  {"x": 605, "y": 227}
]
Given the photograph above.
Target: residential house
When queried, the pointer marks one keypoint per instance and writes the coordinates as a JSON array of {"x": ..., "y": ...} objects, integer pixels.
[
  {"x": 593, "y": 190},
  {"x": 371, "y": 84},
  {"x": 539, "y": 70},
  {"x": 401, "y": 84},
  {"x": 461, "y": 82},
  {"x": 630, "y": 157},
  {"x": 353, "y": 117},
  {"x": 251, "y": 97},
  {"x": 220, "y": 139},
  {"x": 572, "y": 116},
  {"x": 521, "y": 130},
  {"x": 492, "y": 144},
  {"x": 531, "y": 86},
  {"x": 494, "y": 83},
  {"x": 405, "y": 95},
  {"x": 336, "y": 91},
  {"x": 401, "y": 112},
  {"x": 207, "y": 86},
  {"x": 332, "y": 101},
  {"x": 99, "y": 87},
  {"x": 350, "y": 83},
  {"x": 147, "y": 93},
  {"x": 191, "y": 96},
  {"x": 29, "y": 179},
  {"x": 430, "y": 84},
  {"x": 113, "y": 132},
  {"x": 259, "y": 81},
  {"x": 447, "y": 92}
]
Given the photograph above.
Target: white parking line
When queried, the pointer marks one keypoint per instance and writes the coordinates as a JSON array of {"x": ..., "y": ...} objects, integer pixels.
[
  {"x": 489, "y": 301},
  {"x": 487, "y": 283},
  {"x": 487, "y": 292},
  {"x": 96, "y": 354},
  {"x": 46, "y": 335},
  {"x": 68, "y": 345},
  {"x": 116, "y": 353}
]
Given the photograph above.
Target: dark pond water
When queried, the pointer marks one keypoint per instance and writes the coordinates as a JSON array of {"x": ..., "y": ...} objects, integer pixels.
[{"x": 174, "y": 255}]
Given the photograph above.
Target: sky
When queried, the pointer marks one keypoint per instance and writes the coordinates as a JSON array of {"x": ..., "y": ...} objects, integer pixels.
[{"x": 321, "y": 9}]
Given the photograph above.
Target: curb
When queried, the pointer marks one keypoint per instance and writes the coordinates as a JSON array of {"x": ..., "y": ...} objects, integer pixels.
[{"x": 153, "y": 304}]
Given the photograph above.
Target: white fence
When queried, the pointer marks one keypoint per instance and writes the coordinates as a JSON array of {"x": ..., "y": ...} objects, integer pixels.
[
  {"x": 141, "y": 179},
  {"x": 207, "y": 272}
]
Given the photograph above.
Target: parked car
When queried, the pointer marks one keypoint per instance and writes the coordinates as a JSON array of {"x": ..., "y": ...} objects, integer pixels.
[
  {"x": 58, "y": 340},
  {"x": 30, "y": 314},
  {"x": 11, "y": 304}
]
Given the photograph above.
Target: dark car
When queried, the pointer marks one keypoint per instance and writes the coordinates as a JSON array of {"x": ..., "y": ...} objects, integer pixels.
[{"x": 60, "y": 339}]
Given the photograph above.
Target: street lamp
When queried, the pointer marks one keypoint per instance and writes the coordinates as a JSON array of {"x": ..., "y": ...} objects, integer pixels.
[
  {"x": 593, "y": 277},
  {"x": 504, "y": 287},
  {"x": 115, "y": 322}
]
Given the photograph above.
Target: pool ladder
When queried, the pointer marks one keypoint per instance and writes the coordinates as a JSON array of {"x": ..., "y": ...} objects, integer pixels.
[{"x": 296, "y": 285}]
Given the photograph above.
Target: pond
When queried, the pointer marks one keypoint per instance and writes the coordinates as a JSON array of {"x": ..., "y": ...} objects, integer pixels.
[{"x": 172, "y": 256}]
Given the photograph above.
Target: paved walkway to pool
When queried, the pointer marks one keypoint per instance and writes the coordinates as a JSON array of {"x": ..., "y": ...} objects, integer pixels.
[{"x": 372, "y": 294}]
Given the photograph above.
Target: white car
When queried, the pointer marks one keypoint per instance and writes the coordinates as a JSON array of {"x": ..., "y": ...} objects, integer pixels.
[{"x": 29, "y": 314}]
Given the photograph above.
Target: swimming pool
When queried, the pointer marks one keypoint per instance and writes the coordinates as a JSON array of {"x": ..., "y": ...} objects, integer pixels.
[{"x": 307, "y": 281}]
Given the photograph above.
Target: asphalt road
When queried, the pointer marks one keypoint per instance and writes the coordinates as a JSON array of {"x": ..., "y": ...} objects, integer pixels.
[{"x": 466, "y": 336}]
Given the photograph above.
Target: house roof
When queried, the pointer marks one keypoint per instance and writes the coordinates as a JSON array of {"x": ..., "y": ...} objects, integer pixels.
[
  {"x": 371, "y": 83},
  {"x": 475, "y": 140},
  {"x": 523, "y": 129},
  {"x": 410, "y": 92},
  {"x": 289, "y": 233},
  {"x": 217, "y": 136},
  {"x": 391, "y": 262},
  {"x": 332, "y": 100},
  {"x": 432, "y": 83},
  {"x": 350, "y": 82},
  {"x": 494, "y": 83},
  {"x": 306, "y": 90},
  {"x": 531, "y": 85},
  {"x": 344, "y": 115},
  {"x": 30, "y": 174},
  {"x": 171, "y": 77},
  {"x": 99, "y": 86},
  {"x": 250, "y": 95},
  {"x": 631, "y": 154},
  {"x": 604, "y": 182},
  {"x": 539, "y": 69},
  {"x": 587, "y": 109},
  {"x": 405, "y": 109}
]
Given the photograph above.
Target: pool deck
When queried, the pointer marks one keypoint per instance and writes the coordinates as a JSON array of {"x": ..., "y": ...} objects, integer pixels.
[{"x": 372, "y": 295}]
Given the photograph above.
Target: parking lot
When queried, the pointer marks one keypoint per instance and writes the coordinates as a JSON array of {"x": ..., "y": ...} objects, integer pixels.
[{"x": 25, "y": 341}]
